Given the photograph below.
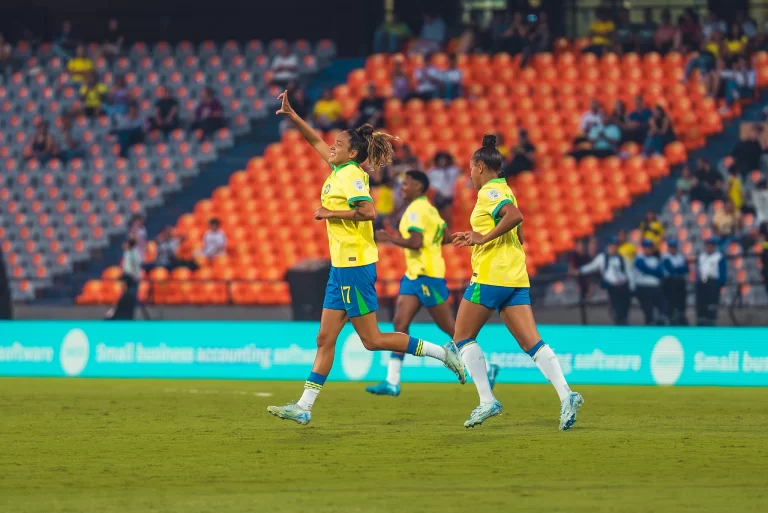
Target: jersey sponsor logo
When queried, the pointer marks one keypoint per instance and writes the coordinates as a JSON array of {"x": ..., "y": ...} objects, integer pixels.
[
  {"x": 359, "y": 185},
  {"x": 327, "y": 189},
  {"x": 494, "y": 194}
]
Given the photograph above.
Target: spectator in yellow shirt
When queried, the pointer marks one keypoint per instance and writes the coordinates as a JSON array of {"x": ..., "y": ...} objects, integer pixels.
[
  {"x": 735, "y": 188},
  {"x": 651, "y": 228},
  {"x": 602, "y": 31},
  {"x": 93, "y": 93},
  {"x": 625, "y": 247},
  {"x": 80, "y": 65},
  {"x": 328, "y": 112}
]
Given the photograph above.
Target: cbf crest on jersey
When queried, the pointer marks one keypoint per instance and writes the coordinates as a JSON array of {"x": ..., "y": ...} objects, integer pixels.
[
  {"x": 494, "y": 194},
  {"x": 359, "y": 185}
]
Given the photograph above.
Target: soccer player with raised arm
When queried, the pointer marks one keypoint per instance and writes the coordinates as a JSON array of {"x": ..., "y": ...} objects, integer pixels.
[
  {"x": 347, "y": 208},
  {"x": 500, "y": 282},
  {"x": 421, "y": 235}
]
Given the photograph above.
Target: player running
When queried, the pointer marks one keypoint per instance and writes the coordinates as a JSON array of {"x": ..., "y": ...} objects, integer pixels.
[
  {"x": 350, "y": 294},
  {"x": 422, "y": 235},
  {"x": 500, "y": 282}
]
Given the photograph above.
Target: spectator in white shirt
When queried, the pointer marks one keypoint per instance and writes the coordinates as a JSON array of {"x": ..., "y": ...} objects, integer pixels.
[
  {"x": 740, "y": 81},
  {"x": 442, "y": 178},
  {"x": 131, "y": 261},
  {"x": 760, "y": 201},
  {"x": 591, "y": 118},
  {"x": 427, "y": 80},
  {"x": 214, "y": 240},
  {"x": 711, "y": 275},
  {"x": 285, "y": 67},
  {"x": 616, "y": 279},
  {"x": 432, "y": 35},
  {"x": 138, "y": 233},
  {"x": 451, "y": 80}
]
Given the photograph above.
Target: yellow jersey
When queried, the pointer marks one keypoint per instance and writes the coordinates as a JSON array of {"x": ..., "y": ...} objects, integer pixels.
[
  {"x": 79, "y": 67},
  {"x": 351, "y": 242},
  {"x": 93, "y": 96},
  {"x": 602, "y": 32},
  {"x": 627, "y": 250},
  {"x": 421, "y": 216},
  {"x": 500, "y": 262}
]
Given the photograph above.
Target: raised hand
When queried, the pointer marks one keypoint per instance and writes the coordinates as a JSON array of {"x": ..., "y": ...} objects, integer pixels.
[{"x": 285, "y": 108}]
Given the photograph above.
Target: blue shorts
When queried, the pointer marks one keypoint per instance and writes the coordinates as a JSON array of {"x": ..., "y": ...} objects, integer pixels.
[
  {"x": 352, "y": 289},
  {"x": 430, "y": 291},
  {"x": 496, "y": 297}
]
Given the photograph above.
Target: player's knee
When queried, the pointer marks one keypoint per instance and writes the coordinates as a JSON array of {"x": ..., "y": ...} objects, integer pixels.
[
  {"x": 324, "y": 340},
  {"x": 371, "y": 342}
]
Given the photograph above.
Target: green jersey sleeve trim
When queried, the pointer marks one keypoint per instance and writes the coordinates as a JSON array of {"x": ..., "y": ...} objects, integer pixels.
[
  {"x": 499, "y": 206},
  {"x": 357, "y": 199},
  {"x": 415, "y": 229}
]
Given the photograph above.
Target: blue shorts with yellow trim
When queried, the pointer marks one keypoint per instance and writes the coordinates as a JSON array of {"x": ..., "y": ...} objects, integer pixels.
[
  {"x": 352, "y": 289},
  {"x": 498, "y": 298},
  {"x": 430, "y": 291}
]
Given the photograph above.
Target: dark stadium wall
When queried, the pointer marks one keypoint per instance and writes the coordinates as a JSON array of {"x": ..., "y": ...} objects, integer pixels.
[{"x": 350, "y": 23}]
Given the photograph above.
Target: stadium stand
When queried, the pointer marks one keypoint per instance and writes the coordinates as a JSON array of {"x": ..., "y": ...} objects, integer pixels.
[
  {"x": 59, "y": 212},
  {"x": 563, "y": 198}
]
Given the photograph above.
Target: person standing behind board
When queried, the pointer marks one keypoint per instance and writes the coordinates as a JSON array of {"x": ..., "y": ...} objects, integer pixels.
[
  {"x": 675, "y": 267},
  {"x": 648, "y": 276},
  {"x": 615, "y": 279},
  {"x": 711, "y": 273}
]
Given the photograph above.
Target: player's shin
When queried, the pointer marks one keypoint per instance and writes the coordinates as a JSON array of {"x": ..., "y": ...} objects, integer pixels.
[
  {"x": 312, "y": 388},
  {"x": 474, "y": 361},
  {"x": 548, "y": 364}
]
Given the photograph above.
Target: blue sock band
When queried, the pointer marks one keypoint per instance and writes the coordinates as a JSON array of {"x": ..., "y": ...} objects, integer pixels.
[
  {"x": 315, "y": 380},
  {"x": 398, "y": 356},
  {"x": 414, "y": 346},
  {"x": 535, "y": 349},
  {"x": 466, "y": 342}
]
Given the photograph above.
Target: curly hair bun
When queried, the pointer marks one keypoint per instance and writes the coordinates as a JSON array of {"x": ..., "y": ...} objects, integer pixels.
[
  {"x": 365, "y": 131},
  {"x": 489, "y": 141}
]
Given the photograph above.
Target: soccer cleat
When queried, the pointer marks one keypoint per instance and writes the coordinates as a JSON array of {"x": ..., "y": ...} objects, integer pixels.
[
  {"x": 291, "y": 411},
  {"x": 454, "y": 363},
  {"x": 384, "y": 388},
  {"x": 483, "y": 412},
  {"x": 568, "y": 410},
  {"x": 492, "y": 373}
]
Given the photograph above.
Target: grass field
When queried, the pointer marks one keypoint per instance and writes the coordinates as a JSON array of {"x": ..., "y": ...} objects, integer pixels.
[{"x": 143, "y": 446}]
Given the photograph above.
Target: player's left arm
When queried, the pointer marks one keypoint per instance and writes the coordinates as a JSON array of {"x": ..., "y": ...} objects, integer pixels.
[
  {"x": 358, "y": 195},
  {"x": 509, "y": 216},
  {"x": 414, "y": 241}
]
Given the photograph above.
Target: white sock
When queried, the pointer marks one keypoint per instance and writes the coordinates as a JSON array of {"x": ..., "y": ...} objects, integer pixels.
[
  {"x": 487, "y": 366},
  {"x": 547, "y": 363},
  {"x": 431, "y": 350},
  {"x": 393, "y": 369},
  {"x": 474, "y": 361},
  {"x": 308, "y": 398}
]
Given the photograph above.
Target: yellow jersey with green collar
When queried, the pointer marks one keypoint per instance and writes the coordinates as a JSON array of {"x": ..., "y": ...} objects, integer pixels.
[
  {"x": 421, "y": 216},
  {"x": 351, "y": 242},
  {"x": 500, "y": 262}
]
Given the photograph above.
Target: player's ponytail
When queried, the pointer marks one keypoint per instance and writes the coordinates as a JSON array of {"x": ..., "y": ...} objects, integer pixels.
[
  {"x": 488, "y": 154},
  {"x": 375, "y": 147}
]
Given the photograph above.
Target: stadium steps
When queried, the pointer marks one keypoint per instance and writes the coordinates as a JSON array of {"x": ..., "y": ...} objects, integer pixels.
[{"x": 718, "y": 147}]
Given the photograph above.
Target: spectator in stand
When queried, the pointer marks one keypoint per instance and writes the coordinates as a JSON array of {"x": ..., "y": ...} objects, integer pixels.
[
  {"x": 747, "y": 152},
  {"x": 538, "y": 38},
  {"x": 689, "y": 31},
  {"x": 119, "y": 97},
  {"x": 735, "y": 188},
  {"x": 442, "y": 177},
  {"x": 625, "y": 37},
  {"x": 620, "y": 117},
  {"x": 523, "y": 155},
  {"x": 747, "y": 24},
  {"x": 637, "y": 122},
  {"x": 726, "y": 223},
  {"x": 214, "y": 240},
  {"x": 645, "y": 32},
  {"x": 602, "y": 32},
  {"x": 80, "y": 66},
  {"x": 432, "y": 35},
  {"x": 605, "y": 137},
  {"x": 138, "y": 232},
  {"x": 648, "y": 279},
  {"x": 209, "y": 114},
  {"x": 675, "y": 267},
  {"x": 577, "y": 259},
  {"x": 711, "y": 274},
  {"x": 70, "y": 145},
  {"x": 735, "y": 43},
  {"x": 625, "y": 247},
  {"x": 129, "y": 129},
  {"x": 93, "y": 93},
  {"x": 65, "y": 43},
  {"x": 707, "y": 62},
  {"x": 327, "y": 112},
  {"x": 6, "y": 54},
  {"x": 504, "y": 150},
  {"x": 285, "y": 67},
  {"x": 760, "y": 201},
  {"x": 450, "y": 80},
  {"x": 167, "y": 250},
  {"x": 42, "y": 147},
  {"x": 712, "y": 24},
  {"x": 616, "y": 279},
  {"x": 513, "y": 40},
  {"x": 165, "y": 116},
  {"x": 401, "y": 88},
  {"x": 427, "y": 80},
  {"x": 500, "y": 23},
  {"x": 390, "y": 36},
  {"x": 468, "y": 40},
  {"x": 590, "y": 118},
  {"x": 370, "y": 110},
  {"x": 685, "y": 183},
  {"x": 112, "y": 44},
  {"x": 131, "y": 263},
  {"x": 666, "y": 34},
  {"x": 659, "y": 133},
  {"x": 651, "y": 228},
  {"x": 704, "y": 189}
]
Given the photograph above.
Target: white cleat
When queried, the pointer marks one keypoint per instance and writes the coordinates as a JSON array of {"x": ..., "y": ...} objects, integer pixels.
[
  {"x": 483, "y": 412},
  {"x": 568, "y": 410},
  {"x": 454, "y": 363},
  {"x": 291, "y": 411}
]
